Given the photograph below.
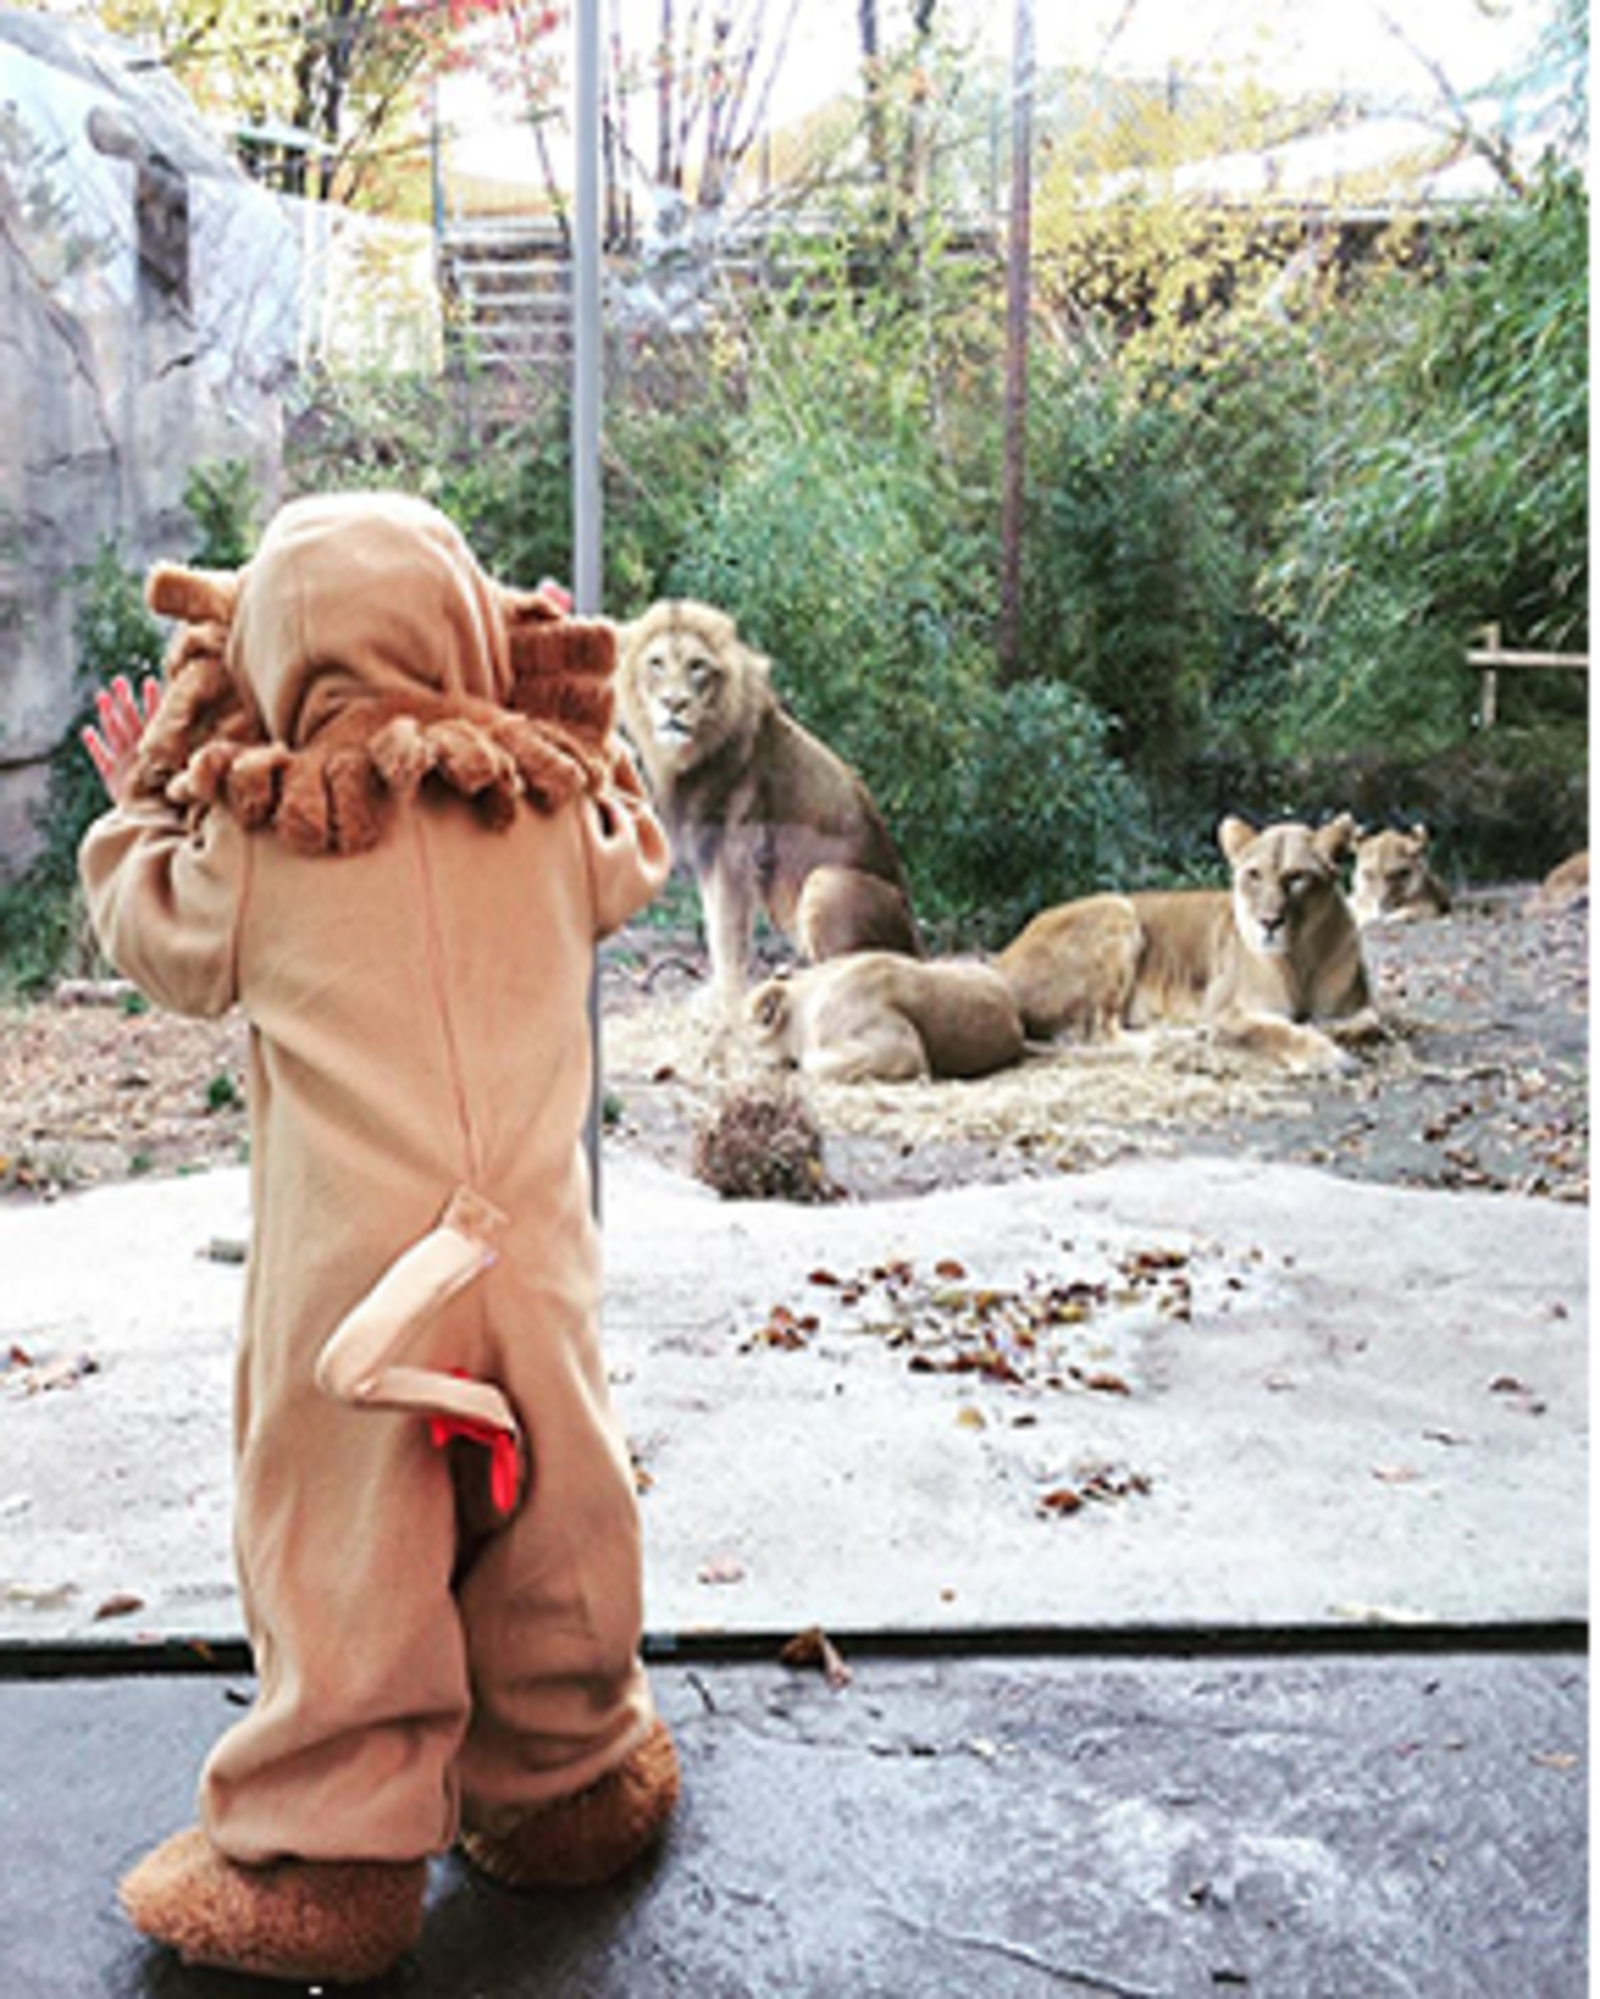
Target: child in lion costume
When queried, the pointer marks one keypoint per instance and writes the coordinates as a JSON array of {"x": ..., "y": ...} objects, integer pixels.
[{"x": 381, "y": 808}]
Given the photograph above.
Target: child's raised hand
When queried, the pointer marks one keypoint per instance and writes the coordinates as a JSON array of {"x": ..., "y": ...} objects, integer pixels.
[{"x": 124, "y": 717}]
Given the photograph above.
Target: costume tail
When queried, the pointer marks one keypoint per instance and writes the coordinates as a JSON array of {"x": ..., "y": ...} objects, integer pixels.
[{"x": 360, "y": 1363}]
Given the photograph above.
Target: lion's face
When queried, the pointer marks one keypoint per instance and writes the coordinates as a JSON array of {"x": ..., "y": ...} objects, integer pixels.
[
  {"x": 1283, "y": 878},
  {"x": 684, "y": 676},
  {"x": 770, "y": 1022},
  {"x": 1391, "y": 873}
]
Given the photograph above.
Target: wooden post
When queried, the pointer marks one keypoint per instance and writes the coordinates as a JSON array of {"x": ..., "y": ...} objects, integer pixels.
[
  {"x": 1489, "y": 696},
  {"x": 1490, "y": 658}
]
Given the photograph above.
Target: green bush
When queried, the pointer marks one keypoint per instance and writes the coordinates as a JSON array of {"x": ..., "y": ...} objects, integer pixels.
[
  {"x": 1451, "y": 485},
  {"x": 42, "y": 931},
  {"x": 1035, "y": 810},
  {"x": 1138, "y": 570},
  {"x": 223, "y": 502}
]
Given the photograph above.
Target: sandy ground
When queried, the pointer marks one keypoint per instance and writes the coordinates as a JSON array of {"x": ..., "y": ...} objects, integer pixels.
[{"x": 1482, "y": 1083}]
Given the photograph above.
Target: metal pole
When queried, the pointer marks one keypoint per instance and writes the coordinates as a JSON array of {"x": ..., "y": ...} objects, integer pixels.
[
  {"x": 586, "y": 386},
  {"x": 1013, "y": 490},
  {"x": 586, "y": 371}
]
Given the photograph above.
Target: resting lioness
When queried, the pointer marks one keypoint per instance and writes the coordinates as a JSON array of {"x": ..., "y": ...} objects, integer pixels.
[
  {"x": 766, "y": 816},
  {"x": 1393, "y": 882},
  {"x": 1071, "y": 970},
  {"x": 1257, "y": 963},
  {"x": 1567, "y": 884},
  {"x": 877, "y": 1016}
]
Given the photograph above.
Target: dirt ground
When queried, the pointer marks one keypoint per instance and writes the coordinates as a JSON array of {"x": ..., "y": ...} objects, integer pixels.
[{"x": 1482, "y": 1082}]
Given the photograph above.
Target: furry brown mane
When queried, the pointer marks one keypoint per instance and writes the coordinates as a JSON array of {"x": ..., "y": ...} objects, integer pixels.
[{"x": 207, "y": 748}]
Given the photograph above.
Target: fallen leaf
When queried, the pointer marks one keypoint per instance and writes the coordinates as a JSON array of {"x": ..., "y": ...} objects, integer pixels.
[
  {"x": 721, "y": 1569},
  {"x": 813, "y": 1647},
  {"x": 122, "y": 1604},
  {"x": 1111, "y": 1482},
  {"x": 1376, "y": 1613},
  {"x": 39, "y": 1377},
  {"x": 41, "y": 1596}
]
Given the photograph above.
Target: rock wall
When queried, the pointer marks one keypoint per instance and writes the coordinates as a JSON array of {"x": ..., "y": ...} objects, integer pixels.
[{"x": 149, "y": 321}]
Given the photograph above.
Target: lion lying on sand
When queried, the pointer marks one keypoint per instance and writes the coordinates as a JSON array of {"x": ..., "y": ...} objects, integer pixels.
[
  {"x": 881, "y": 1017},
  {"x": 1567, "y": 884},
  {"x": 1272, "y": 964},
  {"x": 767, "y": 817}
]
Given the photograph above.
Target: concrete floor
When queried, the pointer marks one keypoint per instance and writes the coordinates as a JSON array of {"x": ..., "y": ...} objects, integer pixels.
[
  {"x": 1292, "y": 1825},
  {"x": 1334, "y": 1404},
  {"x": 1363, "y": 1423}
]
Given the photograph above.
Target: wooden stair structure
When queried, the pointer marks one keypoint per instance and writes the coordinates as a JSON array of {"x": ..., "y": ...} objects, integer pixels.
[{"x": 507, "y": 285}]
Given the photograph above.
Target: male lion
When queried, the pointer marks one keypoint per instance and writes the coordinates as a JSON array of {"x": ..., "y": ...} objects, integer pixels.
[
  {"x": 1393, "y": 882},
  {"x": 766, "y": 816},
  {"x": 1257, "y": 963},
  {"x": 877, "y": 1016}
]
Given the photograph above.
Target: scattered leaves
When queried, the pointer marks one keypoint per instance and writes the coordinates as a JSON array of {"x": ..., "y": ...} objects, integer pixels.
[
  {"x": 1093, "y": 1484},
  {"x": 784, "y": 1329},
  {"x": 1027, "y": 1335}
]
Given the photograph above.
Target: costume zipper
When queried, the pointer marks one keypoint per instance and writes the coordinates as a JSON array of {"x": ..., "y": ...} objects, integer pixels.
[{"x": 434, "y": 945}]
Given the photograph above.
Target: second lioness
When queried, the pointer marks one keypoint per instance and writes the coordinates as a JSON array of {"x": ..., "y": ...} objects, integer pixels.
[
  {"x": 876, "y": 1016},
  {"x": 1272, "y": 964},
  {"x": 1393, "y": 882},
  {"x": 766, "y": 816}
]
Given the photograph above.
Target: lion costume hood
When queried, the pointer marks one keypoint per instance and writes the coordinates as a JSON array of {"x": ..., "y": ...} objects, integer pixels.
[{"x": 360, "y": 652}]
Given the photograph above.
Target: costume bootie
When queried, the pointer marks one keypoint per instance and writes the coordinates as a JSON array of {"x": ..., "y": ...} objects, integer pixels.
[
  {"x": 338, "y": 1922},
  {"x": 580, "y": 1841}
]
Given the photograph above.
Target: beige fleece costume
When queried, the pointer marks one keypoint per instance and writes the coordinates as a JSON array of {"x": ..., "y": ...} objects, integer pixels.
[{"x": 382, "y": 810}]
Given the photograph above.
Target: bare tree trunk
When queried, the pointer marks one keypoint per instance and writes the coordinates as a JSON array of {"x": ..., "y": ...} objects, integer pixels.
[
  {"x": 872, "y": 88},
  {"x": 1018, "y": 300},
  {"x": 664, "y": 79}
]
